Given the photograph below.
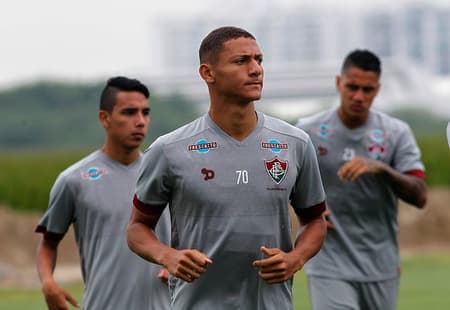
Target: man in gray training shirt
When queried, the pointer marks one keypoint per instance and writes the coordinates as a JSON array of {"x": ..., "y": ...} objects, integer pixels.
[
  {"x": 94, "y": 195},
  {"x": 367, "y": 161},
  {"x": 228, "y": 178}
]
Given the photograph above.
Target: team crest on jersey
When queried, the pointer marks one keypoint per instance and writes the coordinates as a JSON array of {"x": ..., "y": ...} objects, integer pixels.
[
  {"x": 377, "y": 135},
  {"x": 93, "y": 173},
  {"x": 376, "y": 151},
  {"x": 274, "y": 145},
  {"x": 277, "y": 169},
  {"x": 323, "y": 130},
  {"x": 202, "y": 146}
]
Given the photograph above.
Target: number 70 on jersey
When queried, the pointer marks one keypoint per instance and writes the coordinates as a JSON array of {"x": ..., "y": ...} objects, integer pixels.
[{"x": 241, "y": 177}]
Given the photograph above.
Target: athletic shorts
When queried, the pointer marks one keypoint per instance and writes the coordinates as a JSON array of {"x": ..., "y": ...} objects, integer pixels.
[{"x": 334, "y": 294}]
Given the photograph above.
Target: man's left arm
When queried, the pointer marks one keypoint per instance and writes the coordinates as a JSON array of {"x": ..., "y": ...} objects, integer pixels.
[{"x": 409, "y": 186}]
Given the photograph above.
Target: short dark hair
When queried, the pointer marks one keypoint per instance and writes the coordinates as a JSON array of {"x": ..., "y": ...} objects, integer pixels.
[
  {"x": 212, "y": 44},
  {"x": 364, "y": 60},
  {"x": 116, "y": 84}
]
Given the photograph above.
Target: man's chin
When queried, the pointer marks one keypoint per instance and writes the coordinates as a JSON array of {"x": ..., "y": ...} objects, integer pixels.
[{"x": 131, "y": 146}]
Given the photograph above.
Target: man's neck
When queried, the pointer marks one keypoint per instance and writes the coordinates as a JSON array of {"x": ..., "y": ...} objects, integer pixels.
[
  {"x": 119, "y": 154},
  {"x": 238, "y": 121},
  {"x": 351, "y": 123}
]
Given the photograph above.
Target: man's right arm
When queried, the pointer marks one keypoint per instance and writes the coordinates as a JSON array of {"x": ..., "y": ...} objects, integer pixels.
[
  {"x": 55, "y": 296},
  {"x": 187, "y": 265}
]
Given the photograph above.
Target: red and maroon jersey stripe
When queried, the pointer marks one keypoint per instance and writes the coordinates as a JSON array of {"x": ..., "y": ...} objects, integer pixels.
[
  {"x": 310, "y": 213},
  {"x": 146, "y": 208}
]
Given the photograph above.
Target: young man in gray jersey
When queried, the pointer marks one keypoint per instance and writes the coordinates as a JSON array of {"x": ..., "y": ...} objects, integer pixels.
[
  {"x": 94, "y": 195},
  {"x": 367, "y": 161},
  {"x": 228, "y": 178}
]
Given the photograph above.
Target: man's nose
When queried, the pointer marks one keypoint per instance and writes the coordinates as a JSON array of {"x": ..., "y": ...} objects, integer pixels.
[
  {"x": 141, "y": 119},
  {"x": 359, "y": 94},
  {"x": 255, "y": 67}
]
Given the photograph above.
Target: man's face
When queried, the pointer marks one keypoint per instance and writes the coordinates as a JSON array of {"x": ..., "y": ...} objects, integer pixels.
[
  {"x": 127, "y": 124},
  {"x": 357, "y": 90},
  {"x": 238, "y": 73}
]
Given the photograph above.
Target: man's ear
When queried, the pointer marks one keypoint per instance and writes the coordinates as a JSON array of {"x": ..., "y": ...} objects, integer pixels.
[
  {"x": 338, "y": 81},
  {"x": 207, "y": 73},
  {"x": 103, "y": 117}
]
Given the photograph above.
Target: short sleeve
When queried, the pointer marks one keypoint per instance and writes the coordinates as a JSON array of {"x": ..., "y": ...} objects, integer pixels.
[
  {"x": 153, "y": 187},
  {"x": 308, "y": 190},
  {"x": 59, "y": 215},
  {"x": 407, "y": 153}
]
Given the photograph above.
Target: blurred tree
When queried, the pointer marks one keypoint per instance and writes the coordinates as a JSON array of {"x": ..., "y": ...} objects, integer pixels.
[{"x": 64, "y": 115}]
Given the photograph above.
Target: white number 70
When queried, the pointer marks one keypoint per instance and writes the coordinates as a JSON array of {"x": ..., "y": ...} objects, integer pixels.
[{"x": 242, "y": 176}]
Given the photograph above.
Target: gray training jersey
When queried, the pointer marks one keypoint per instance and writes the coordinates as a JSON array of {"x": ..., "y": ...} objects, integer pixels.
[
  {"x": 95, "y": 196},
  {"x": 227, "y": 199},
  {"x": 364, "y": 245}
]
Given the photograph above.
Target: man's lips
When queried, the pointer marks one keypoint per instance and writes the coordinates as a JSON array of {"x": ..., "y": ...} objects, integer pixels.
[
  {"x": 256, "y": 83},
  {"x": 139, "y": 135},
  {"x": 356, "y": 108}
]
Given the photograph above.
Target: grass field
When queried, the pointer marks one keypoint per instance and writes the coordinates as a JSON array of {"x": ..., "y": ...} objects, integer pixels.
[{"x": 424, "y": 284}]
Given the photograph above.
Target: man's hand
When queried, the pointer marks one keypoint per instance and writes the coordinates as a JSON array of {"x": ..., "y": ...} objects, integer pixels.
[
  {"x": 358, "y": 166},
  {"x": 326, "y": 215},
  {"x": 278, "y": 267},
  {"x": 163, "y": 275},
  {"x": 56, "y": 297},
  {"x": 187, "y": 265}
]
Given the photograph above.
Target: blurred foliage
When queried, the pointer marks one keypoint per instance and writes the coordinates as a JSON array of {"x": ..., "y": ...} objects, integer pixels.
[
  {"x": 62, "y": 115},
  {"x": 423, "y": 122},
  {"x": 436, "y": 158},
  {"x": 50, "y": 114},
  {"x": 27, "y": 177}
]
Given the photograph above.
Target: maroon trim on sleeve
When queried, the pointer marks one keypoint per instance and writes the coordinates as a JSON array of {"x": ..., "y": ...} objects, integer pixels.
[
  {"x": 416, "y": 173},
  {"x": 310, "y": 213},
  {"x": 48, "y": 235},
  {"x": 146, "y": 208}
]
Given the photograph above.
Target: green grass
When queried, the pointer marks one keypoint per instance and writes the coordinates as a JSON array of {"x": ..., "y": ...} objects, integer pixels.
[
  {"x": 32, "y": 299},
  {"x": 424, "y": 284},
  {"x": 27, "y": 177}
]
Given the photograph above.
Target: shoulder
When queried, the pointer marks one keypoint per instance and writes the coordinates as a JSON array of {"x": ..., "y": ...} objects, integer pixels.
[
  {"x": 284, "y": 128},
  {"x": 182, "y": 133},
  {"x": 388, "y": 122},
  {"x": 315, "y": 119},
  {"x": 83, "y": 165}
]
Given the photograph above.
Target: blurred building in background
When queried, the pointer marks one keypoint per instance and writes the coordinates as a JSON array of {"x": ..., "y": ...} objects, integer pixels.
[
  {"x": 303, "y": 49},
  {"x": 416, "y": 34}
]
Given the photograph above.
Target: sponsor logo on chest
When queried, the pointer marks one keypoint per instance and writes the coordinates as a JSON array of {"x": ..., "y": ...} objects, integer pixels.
[
  {"x": 274, "y": 145},
  {"x": 202, "y": 146},
  {"x": 93, "y": 173},
  {"x": 323, "y": 130}
]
